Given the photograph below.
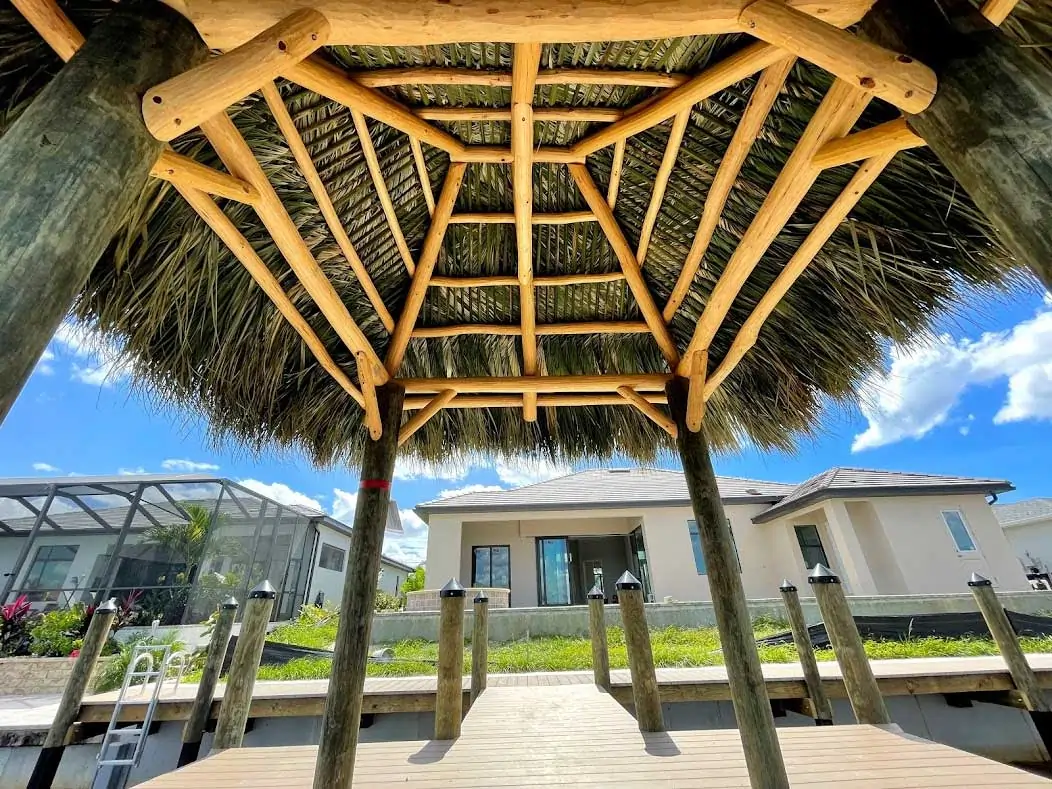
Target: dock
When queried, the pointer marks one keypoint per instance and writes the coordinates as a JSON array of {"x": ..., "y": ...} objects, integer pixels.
[{"x": 534, "y": 735}]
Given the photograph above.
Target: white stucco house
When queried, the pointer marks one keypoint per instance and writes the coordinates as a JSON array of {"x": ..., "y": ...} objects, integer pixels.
[
  {"x": 885, "y": 533},
  {"x": 1028, "y": 526}
]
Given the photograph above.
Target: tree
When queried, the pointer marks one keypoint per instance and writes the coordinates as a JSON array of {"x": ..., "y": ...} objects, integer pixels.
[{"x": 414, "y": 582}]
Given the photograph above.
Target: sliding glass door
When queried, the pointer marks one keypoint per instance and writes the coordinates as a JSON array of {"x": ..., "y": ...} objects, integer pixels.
[{"x": 553, "y": 571}]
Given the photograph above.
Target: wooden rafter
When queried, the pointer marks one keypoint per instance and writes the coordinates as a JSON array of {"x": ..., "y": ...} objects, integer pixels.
[
  {"x": 367, "y": 380},
  {"x": 996, "y": 11},
  {"x": 181, "y": 103},
  {"x": 373, "y": 164},
  {"x": 538, "y": 383},
  {"x": 617, "y": 166},
  {"x": 416, "y": 402},
  {"x": 425, "y": 266},
  {"x": 501, "y": 114},
  {"x": 525, "y": 63},
  {"x": 551, "y": 281},
  {"x": 421, "y": 417},
  {"x": 421, "y": 170},
  {"x": 437, "y": 75},
  {"x": 864, "y": 177},
  {"x": 496, "y": 154},
  {"x": 321, "y": 195},
  {"x": 648, "y": 409},
  {"x": 179, "y": 169},
  {"x": 889, "y": 137},
  {"x": 53, "y": 26},
  {"x": 241, "y": 162},
  {"x": 500, "y": 218},
  {"x": 540, "y": 330},
  {"x": 629, "y": 265},
  {"x": 768, "y": 86},
  {"x": 668, "y": 161},
  {"x": 835, "y": 116}
]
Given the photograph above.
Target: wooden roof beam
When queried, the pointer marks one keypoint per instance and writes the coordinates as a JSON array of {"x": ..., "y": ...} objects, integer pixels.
[
  {"x": 421, "y": 417},
  {"x": 996, "y": 11},
  {"x": 668, "y": 161},
  {"x": 835, "y": 116},
  {"x": 617, "y": 166},
  {"x": 496, "y": 154},
  {"x": 181, "y": 103},
  {"x": 421, "y": 169},
  {"x": 425, "y": 267},
  {"x": 540, "y": 330},
  {"x": 176, "y": 168},
  {"x": 53, "y": 25},
  {"x": 896, "y": 78},
  {"x": 537, "y": 383},
  {"x": 629, "y": 265},
  {"x": 504, "y": 115},
  {"x": 699, "y": 367},
  {"x": 551, "y": 400},
  {"x": 367, "y": 380},
  {"x": 720, "y": 76},
  {"x": 539, "y": 282},
  {"x": 764, "y": 94},
  {"x": 648, "y": 409},
  {"x": 500, "y": 218},
  {"x": 438, "y": 75},
  {"x": 321, "y": 196},
  {"x": 864, "y": 177},
  {"x": 889, "y": 137}
]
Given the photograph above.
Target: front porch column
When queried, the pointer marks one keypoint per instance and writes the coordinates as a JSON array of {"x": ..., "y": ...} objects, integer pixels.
[
  {"x": 752, "y": 709},
  {"x": 991, "y": 120},
  {"x": 343, "y": 704},
  {"x": 854, "y": 566},
  {"x": 71, "y": 168}
]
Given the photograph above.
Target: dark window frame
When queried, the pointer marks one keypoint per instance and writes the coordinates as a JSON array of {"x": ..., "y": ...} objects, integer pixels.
[
  {"x": 805, "y": 548},
  {"x": 342, "y": 552},
  {"x": 474, "y": 561}
]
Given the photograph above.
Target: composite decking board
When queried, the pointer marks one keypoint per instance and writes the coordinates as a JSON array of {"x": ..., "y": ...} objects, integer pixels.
[{"x": 519, "y": 736}]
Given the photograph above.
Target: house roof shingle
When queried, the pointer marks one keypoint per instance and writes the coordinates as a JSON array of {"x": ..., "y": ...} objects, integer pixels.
[{"x": 1020, "y": 512}]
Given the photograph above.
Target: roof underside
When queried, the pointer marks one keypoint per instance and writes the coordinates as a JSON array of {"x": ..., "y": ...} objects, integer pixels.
[{"x": 199, "y": 331}]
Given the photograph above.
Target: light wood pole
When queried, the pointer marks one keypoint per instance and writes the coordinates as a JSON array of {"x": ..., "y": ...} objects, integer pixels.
[
  {"x": 646, "y": 696},
  {"x": 597, "y": 631},
  {"x": 194, "y": 728},
  {"x": 752, "y": 708},
  {"x": 237, "y": 699},
  {"x": 821, "y": 709},
  {"x": 449, "y": 701},
  {"x": 479, "y": 645},
  {"x": 71, "y": 168},
  {"x": 990, "y": 117},
  {"x": 69, "y": 706},
  {"x": 862, "y": 689},
  {"x": 343, "y": 704}
]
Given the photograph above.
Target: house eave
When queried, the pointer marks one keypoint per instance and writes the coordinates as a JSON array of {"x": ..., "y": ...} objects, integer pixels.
[{"x": 426, "y": 509}]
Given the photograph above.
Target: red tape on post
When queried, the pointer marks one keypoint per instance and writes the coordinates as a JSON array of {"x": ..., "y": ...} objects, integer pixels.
[{"x": 376, "y": 484}]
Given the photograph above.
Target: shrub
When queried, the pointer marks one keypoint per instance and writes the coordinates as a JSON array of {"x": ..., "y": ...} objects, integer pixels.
[
  {"x": 414, "y": 582},
  {"x": 16, "y": 620},
  {"x": 112, "y": 674},
  {"x": 385, "y": 601},
  {"x": 61, "y": 631}
]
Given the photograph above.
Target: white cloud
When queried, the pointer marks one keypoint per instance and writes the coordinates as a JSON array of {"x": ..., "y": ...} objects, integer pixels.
[
  {"x": 45, "y": 467},
  {"x": 190, "y": 466},
  {"x": 343, "y": 504},
  {"x": 127, "y": 472},
  {"x": 281, "y": 493},
  {"x": 96, "y": 361},
  {"x": 476, "y": 488},
  {"x": 966, "y": 428},
  {"x": 411, "y": 468},
  {"x": 410, "y": 547},
  {"x": 518, "y": 472},
  {"x": 926, "y": 380},
  {"x": 44, "y": 366}
]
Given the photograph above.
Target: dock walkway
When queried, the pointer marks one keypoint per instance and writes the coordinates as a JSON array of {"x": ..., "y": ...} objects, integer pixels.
[{"x": 578, "y": 735}]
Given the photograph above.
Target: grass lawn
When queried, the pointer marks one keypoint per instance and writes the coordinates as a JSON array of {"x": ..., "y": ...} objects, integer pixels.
[{"x": 673, "y": 646}]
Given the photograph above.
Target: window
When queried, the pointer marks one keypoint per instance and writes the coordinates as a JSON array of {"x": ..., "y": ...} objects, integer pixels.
[
  {"x": 958, "y": 530},
  {"x": 811, "y": 546},
  {"x": 331, "y": 557},
  {"x": 491, "y": 566},
  {"x": 699, "y": 556},
  {"x": 49, "y": 569}
]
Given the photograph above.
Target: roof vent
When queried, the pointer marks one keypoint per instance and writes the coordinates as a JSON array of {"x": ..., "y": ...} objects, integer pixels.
[
  {"x": 753, "y": 492},
  {"x": 618, "y": 470}
]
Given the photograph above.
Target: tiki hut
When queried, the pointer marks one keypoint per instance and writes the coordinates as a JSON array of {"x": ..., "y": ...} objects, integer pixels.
[{"x": 434, "y": 229}]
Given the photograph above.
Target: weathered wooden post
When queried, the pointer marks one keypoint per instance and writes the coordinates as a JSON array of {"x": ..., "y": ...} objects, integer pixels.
[
  {"x": 821, "y": 709},
  {"x": 194, "y": 728},
  {"x": 343, "y": 704},
  {"x": 646, "y": 696},
  {"x": 990, "y": 118},
  {"x": 597, "y": 631},
  {"x": 55, "y": 743},
  {"x": 72, "y": 166},
  {"x": 449, "y": 701},
  {"x": 479, "y": 645},
  {"x": 752, "y": 708},
  {"x": 237, "y": 698},
  {"x": 862, "y": 689}
]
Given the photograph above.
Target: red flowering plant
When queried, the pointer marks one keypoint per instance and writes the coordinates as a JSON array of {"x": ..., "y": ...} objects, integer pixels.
[{"x": 16, "y": 620}]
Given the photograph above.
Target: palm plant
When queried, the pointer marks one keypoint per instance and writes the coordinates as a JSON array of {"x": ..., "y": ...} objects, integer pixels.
[{"x": 185, "y": 541}]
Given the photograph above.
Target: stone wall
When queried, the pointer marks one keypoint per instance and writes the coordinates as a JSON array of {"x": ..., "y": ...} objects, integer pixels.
[
  {"x": 27, "y": 676},
  {"x": 427, "y": 599}
]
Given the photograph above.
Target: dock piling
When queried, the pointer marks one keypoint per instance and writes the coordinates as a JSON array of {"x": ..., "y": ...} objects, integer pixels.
[
  {"x": 820, "y": 706},
  {"x": 645, "y": 693},
  {"x": 859, "y": 682},
  {"x": 449, "y": 701},
  {"x": 479, "y": 645},
  {"x": 233, "y": 712},
  {"x": 597, "y": 631}
]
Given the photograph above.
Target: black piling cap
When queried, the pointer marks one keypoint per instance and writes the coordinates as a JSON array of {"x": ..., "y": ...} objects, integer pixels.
[
  {"x": 595, "y": 593},
  {"x": 978, "y": 580},
  {"x": 787, "y": 586},
  {"x": 452, "y": 589},
  {"x": 627, "y": 581},
  {"x": 229, "y": 603},
  {"x": 482, "y": 597},
  {"x": 822, "y": 575},
  {"x": 109, "y": 607},
  {"x": 263, "y": 592}
]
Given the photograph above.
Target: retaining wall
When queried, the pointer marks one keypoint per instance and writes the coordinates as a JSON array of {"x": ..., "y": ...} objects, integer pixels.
[{"x": 29, "y": 676}]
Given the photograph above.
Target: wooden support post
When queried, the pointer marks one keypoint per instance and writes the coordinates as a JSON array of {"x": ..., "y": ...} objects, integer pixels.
[
  {"x": 233, "y": 712},
  {"x": 194, "y": 728},
  {"x": 646, "y": 697},
  {"x": 763, "y": 754},
  {"x": 862, "y": 689},
  {"x": 343, "y": 704},
  {"x": 449, "y": 701},
  {"x": 990, "y": 118},
  {"x": 822, "y": 709},
  {"x": 65, "y": 194},
  {"x": 597, "y": 632},
  {"x": 479, "y": 645},
  {"x": 68, "y": 708}
]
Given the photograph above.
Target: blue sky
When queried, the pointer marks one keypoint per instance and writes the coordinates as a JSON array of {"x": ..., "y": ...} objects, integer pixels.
[{"x": 976, "y": 399}]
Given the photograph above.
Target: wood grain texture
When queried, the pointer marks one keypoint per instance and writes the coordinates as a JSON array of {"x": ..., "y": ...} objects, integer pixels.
[
  {"x": 996, "y": 11},
  {"x": 194, "y": 728},
  {"x": 598, "y": 638},
  {"x": 449, "y": 696},
  {"x": 421, "y": 168},
  {"x": 479, "y": 648},
  {"x": 645, "y": 696},
  {"x": 657, "y": 195},
  {"x": 179, "y": 169},
  {"x": 241, "y": 678},
  {"x": 889, "y": 137},
  {"x": 648, "y": 409},
  {"x": 421, "y": 417},
  {"x": 794, "y": 612},
  {"x": 52, "y": 24}
]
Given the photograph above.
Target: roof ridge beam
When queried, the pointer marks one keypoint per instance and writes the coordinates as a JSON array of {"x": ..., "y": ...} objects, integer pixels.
[
  {"x": 654, "y": 382},
  {"x": 544, "y": 400}
]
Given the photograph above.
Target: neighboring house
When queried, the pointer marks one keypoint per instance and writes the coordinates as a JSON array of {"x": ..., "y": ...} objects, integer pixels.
[
  {"x": 1028, "y": 526},
  {"x": 178, "y": 543},
  {"x": 883, "y": 532}
]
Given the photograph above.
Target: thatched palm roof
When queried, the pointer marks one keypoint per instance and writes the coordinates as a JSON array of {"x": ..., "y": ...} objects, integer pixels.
[{"x": 200, "y": 333}]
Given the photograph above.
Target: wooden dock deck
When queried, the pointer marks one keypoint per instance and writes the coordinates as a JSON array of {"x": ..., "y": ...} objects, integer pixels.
[{"x": 580, "y": 736}]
